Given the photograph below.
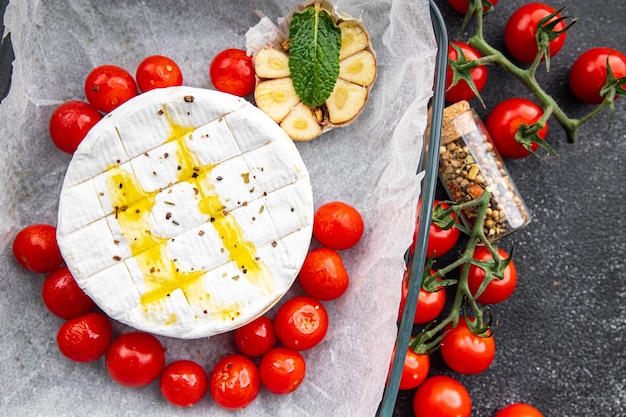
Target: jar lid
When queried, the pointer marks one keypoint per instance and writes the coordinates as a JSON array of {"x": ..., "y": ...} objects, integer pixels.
[{"x": 457, "y": 121}]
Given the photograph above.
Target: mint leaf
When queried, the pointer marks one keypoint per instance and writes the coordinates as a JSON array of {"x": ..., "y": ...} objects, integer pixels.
[{"x": 314, "y": 43}]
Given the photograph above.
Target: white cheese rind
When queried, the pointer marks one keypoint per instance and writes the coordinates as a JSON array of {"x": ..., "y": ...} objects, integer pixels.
[{"x": 185, "y": 212}]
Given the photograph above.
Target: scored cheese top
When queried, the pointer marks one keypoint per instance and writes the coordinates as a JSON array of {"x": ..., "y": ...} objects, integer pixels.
[{"x": 185, "y": 212}]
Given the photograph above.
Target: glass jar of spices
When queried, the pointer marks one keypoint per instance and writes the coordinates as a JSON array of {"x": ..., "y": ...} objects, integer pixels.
[{"x": 469, "y": 163}]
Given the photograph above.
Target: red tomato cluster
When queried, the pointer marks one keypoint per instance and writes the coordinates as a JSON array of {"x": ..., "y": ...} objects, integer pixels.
[
  {"x": 337, "y": 226},
  {"x": 461, "y": 90},
  {"x": 590, "y": 73},
  {"x": 270, "y": 350},
  {"x": 136, "y": 359},
  {"x": 522, "y": 27},
  {"x": 465, "y": 352},
  {"x": 109, "y": 86},
  {"x": 461, "y": 349},
  {"x": 440, "y": 242},
  {"x": 106, "y": 88}
]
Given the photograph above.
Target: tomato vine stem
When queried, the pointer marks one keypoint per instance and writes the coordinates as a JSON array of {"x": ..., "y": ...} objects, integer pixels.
[
  {"x": 527, "y": 76},
  {"x": 430, "y": 337}
]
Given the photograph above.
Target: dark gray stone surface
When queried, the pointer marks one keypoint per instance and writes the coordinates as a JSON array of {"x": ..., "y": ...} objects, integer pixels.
[{"x": 561, "y": 337}]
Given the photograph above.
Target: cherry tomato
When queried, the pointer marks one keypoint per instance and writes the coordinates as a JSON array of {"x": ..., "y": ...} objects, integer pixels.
[
  {"x": 234, "y": 382},
  {"x": 462, "y": 91},
  {"x": 85, "y": 338},
  {"x": 504, "y": 120},
  {"x": 464, "y": 352},
  {"x": 232, "y": 71},
  {"x": 441, "y": 241},
  {"x": 158, "y": 71},
  {"x": 429, "y": 304},
  {"x": 282, "y": 370},
  {"x": 441, "y": 396},
  {"x": 521, "y": 29},
  {"x": 588, "y": 73},
  {"x": 415, "y": 370},
  {"x": 519, "y": 410},
  {"x": 135, "y": 359},
  {"x": 183, "y": 383},
  {"x": 256, "y": 338},
  {"x": 35, "y": 248},
  {"x": 301, "y": 323},
  {"x": 323, "y": 275},
  {"x": 337, "y": 225},
  {"x": 497, "y": 290},
  {"x": 462, "y": 6},
  {"x": 63, "y": 297},
  {"x": 70, "y": 123},
  {"x": 108, "y": 86}
]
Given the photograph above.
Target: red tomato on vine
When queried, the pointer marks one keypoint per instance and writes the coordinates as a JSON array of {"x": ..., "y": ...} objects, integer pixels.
[
  {"x": 442, "y": 396},
  {"x": 521, "y": 29},
  {"x": 464, "y": 352},
  {"x": 429, "y": 304},
  {"x": 462, "y": 90},
  {"x": 588, "y": 74},
  {"x": 504, "y": 121},
  {"x": 415, "y": 370},
  {"x": 497, "y": 290}
]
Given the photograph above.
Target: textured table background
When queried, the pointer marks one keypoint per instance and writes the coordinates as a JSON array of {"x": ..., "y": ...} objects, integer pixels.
[{"x": 561, "y": 341}]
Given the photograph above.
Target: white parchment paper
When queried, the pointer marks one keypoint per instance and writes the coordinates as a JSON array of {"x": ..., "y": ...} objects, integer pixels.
[{"x": 371, "y": 164}]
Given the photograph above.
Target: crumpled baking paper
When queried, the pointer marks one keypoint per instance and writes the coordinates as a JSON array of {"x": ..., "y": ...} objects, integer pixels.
[{"x": 370, "y": 164}]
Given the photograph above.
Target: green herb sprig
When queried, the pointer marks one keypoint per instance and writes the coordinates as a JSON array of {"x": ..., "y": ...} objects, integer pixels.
[{"x": 314, "y": 44}]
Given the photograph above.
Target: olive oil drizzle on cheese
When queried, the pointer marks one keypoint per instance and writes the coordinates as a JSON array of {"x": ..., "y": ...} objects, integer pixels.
[{"x": 161, "y": 275}]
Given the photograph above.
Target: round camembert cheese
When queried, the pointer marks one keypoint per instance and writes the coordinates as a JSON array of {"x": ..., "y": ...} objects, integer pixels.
[{"x": 185, "y": 212}]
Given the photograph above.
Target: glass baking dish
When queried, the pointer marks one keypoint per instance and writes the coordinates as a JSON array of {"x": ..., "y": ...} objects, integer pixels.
[
  {"x": 427, "y": 165},
  {"x": 416, "y": 259}
]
